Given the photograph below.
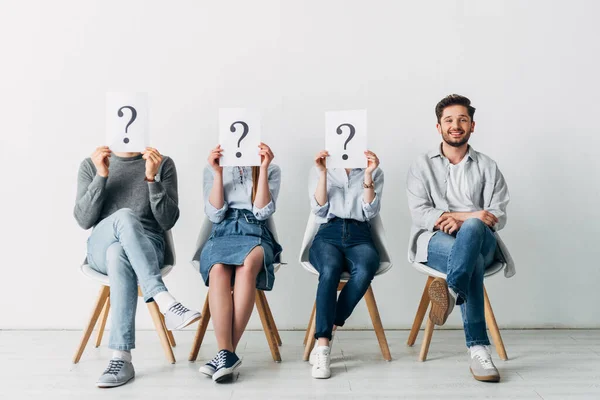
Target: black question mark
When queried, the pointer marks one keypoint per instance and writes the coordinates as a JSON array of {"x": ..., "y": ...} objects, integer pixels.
[
  {"x": 350, "y": 136},
  {"x": 246, "y": 129},
  {"x": 133, "y": 117}
]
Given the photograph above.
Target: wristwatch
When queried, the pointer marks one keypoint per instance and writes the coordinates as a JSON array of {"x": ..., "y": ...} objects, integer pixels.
[
  {"x": 369, "y": 186},
  {"x": 155, "y": 179}
]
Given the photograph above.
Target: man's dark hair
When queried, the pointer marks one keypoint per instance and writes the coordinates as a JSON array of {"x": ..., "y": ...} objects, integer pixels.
[{"x": 452, "y": 100}]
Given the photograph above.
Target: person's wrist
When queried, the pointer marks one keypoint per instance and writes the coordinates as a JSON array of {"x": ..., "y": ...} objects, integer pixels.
[{"x": 102, "y": 174}]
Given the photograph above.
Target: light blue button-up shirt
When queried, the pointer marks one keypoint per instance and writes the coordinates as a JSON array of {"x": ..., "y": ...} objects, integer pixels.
[
  {"x": 345, "y": 195},
  {"x": 237, "y": 192},
  {"x": 427, "y": 183}
]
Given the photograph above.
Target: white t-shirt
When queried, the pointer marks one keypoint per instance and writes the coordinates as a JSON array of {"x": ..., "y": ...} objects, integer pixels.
[{"x": 457, "y": 189}]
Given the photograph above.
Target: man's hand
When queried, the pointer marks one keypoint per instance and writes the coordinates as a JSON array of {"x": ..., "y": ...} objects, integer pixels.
[
  {"x": 153, "y": 160},
  {"x": 101, "y": 161},
  {"x": 487, "y": 217},
  {"x": 448, "y": 224}
]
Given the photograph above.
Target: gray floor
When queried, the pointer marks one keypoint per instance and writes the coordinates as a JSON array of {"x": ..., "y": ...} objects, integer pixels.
[{"x": 544, "y": 364}]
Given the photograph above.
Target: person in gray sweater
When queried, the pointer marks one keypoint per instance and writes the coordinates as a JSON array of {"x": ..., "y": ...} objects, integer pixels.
[{"x": 130, "y": 200}]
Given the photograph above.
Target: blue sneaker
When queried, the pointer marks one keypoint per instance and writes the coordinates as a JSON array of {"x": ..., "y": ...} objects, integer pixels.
[
  {"x": 227, "y": 363},
  {"x": 210, "y": 367}
]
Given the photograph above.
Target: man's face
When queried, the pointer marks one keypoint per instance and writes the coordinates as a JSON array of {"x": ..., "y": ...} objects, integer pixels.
[{"x": 456, "y": 126}]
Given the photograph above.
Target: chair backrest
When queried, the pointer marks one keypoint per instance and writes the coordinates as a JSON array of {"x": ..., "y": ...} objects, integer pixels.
[
  {"x": 206, "y": 228},
  {"x": 377, "y": 232}
]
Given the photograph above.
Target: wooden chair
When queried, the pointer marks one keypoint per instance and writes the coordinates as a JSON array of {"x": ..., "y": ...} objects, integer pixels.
[
  {"x": 424, "y": 305},
  {"x": 102, "y": 306},
  {"x": 262, "y": 305},
  {"x": 378, "y": 234}
]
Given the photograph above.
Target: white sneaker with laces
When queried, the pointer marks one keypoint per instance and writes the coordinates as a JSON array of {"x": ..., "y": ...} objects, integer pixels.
[
  {"x": 321, "y": 368},
  {"x": 482, "y": 367},
  {"x": 313, "y": 353},
  {"x": 178, "y": 317}
]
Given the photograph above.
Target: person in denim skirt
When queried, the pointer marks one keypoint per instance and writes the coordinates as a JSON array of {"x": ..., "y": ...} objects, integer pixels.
[
  {"x": 240, "y": 251},
  {"x": 343, "y": 200}
]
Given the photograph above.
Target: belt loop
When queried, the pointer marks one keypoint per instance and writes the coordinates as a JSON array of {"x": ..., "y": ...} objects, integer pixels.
[{"x": 245, "y": 216}]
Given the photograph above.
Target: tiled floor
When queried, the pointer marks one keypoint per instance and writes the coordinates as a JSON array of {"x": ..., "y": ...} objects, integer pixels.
[{"x": 543, "y": 364}]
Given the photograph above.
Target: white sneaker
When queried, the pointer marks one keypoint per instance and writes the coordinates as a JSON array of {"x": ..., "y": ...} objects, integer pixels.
[
  {"x": 178, "y": 317},
  {"x": 313, "y": 353},
  {"x": 321, "y": 369},
  {"x": 482, "y": 367}
]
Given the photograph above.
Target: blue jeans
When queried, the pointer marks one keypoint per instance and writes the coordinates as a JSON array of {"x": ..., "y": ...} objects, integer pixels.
[
  {"x": 464, "y": 259},
  {"x": 341, "y": 245},
  {"x": 120, "y": 248}
]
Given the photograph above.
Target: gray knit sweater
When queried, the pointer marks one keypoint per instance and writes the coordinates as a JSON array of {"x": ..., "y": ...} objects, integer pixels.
[{"x": 155, "y": 203}]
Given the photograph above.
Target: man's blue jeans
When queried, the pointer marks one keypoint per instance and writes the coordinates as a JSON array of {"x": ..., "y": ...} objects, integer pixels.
[
  {"x": 341, "y": 245},
  {"x": 464, "y": 259},
  {"x": 120, "y": 248}
]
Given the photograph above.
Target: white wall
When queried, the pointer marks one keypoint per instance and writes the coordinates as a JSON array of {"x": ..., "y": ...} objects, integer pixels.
[{"x": 531, "y": 69}]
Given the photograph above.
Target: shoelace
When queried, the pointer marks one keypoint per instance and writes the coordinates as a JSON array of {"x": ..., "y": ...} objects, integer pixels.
[
  {"x": 215, "y": 361},
  {"x": 484, "y": 358},
  {"x": 220, "y": 359},
  {"x": 114, "y": 367},
  {"x": 321, "y": 360},
  {"x": 178, "y": 309}
]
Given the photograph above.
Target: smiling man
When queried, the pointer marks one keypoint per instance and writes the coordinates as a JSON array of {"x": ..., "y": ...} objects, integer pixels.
[{"x": 457, "y": 198}]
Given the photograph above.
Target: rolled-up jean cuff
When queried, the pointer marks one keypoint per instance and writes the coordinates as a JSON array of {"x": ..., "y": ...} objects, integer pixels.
[
  {"x": 478, "y": 343},
  {"x": 149, "y": 296},
  {"x": 461, "y": 295},
  {"x": 319, "y": 335},
  {"x": 122, "y": 347},
  {"x": 339, "y": 323}
]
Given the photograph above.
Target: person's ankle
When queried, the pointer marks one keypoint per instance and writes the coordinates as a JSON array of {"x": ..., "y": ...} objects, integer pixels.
[{"x": 323, "y": 341}]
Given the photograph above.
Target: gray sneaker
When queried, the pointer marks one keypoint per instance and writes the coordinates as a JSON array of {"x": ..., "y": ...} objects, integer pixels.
[
  {"x": 482, "y": 367},
  {"x": 442, "y": 302},
  {"x": 118, "y": 373},
  {"x": 178, "y": 317}
]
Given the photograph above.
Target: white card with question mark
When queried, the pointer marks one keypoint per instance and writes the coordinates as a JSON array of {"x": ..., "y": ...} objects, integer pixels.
[
  {"x": 127, "y": 121},
  {"x": 239, "y": 136},
  {"x": 346, "y": 138}
]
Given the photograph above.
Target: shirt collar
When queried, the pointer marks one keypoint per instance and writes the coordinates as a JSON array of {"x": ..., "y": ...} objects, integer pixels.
[{"x": 438, "y": 153}]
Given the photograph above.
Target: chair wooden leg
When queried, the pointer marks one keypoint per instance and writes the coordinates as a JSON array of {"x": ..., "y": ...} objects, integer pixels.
[
  {"x": 421, "y": 311},
  {"x": 162, "y": 332},
  {"x": 202, "y": 325},
  {"x": 272, "y": 321},
  {"x": 312, "y": 315},
  {"x": 262, "y": 312},
  {"x": 426, "y": 340},
  {"x": 100, "y": 302},
  {"x": 169, "y": 333},
  {"x": 102, "y": 322},
  {"x": 493, "y": 327},
  {"x": 310, "y": 342},
  {"x": 375, "y": 318}
]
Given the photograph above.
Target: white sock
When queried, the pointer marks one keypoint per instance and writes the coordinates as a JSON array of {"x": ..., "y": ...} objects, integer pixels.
[
  {"x": 453, "y": 294},
  {"x": 164, "y": 300},
  {"x": 124, "y": 355},
  {"x": 475, "y": 348}
]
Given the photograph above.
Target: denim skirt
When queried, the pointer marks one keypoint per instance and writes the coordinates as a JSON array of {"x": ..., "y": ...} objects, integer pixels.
[{"x": 232, "y": 239}]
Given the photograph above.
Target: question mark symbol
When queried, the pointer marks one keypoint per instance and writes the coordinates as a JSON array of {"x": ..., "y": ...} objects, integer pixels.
[
  {"x": 133, "y": 117},
  {"x": 350, "y": 136},
  {"x": 246, "y": 129}
]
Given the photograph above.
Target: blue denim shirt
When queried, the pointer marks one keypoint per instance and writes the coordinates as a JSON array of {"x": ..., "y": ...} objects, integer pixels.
[
  {"x": 345, "y": 195},
  {"x": 237, "y": 192}
]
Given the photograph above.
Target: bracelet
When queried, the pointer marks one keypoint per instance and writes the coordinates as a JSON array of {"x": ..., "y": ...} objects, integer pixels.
[{"x": 369, "y": 186}]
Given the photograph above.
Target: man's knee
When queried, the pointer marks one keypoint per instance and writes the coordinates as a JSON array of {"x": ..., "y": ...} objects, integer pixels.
[
  {"x": 126, "y": 216},
  {"x": 473, "y": 226}
]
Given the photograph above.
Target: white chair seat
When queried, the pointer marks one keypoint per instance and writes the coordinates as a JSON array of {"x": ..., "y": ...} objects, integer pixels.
[
  {"x": 103, "y": 279},
  {"x": 493, "y": 269}
]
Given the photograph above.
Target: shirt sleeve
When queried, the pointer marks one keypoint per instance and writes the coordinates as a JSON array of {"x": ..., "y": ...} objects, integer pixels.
[
  {"x": 423, "y": 211},
  {"x": 499, "y": 200},
  {"x": 90, "y": 195},
  {"x": 317, "y": 209},
  {"x": 370, "y": 210},
  {"x": 215, "y": 215},
  {"x": 274, "y": 184},
  {"x": 164, "y": 200}
]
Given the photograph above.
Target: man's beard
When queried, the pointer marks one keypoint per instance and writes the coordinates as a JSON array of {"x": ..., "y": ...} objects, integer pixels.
[{"x": 448, "y": 139}]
